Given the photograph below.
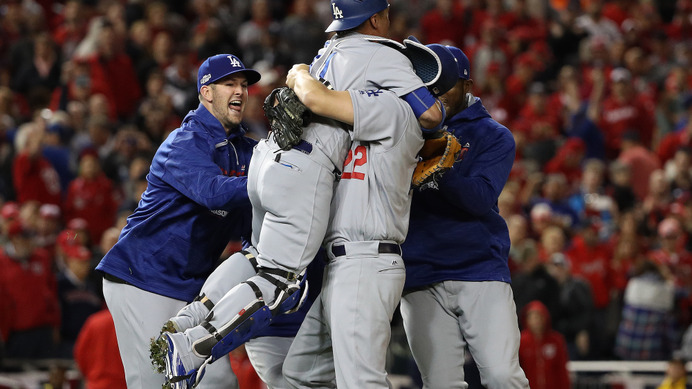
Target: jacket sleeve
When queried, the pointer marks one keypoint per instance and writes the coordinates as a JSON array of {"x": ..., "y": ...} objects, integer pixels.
[
  {"x": 475, "y": 188},
  {"x": 561, "y": 373},
  {"x": 188, "y": 166}
]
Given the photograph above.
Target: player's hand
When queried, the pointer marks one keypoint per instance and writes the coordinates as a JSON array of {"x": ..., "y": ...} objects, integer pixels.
[{"x": 298, "y": 70}]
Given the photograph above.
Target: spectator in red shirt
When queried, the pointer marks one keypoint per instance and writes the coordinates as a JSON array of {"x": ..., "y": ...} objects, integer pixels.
[
  {"x": 29, "y": 289},
  {"x": 96, "y": 353},
  {"x": 34, "y": 176},
  {"x": 73, "y": 26},
  {"x": 568, "y": 160},
  {"x": 489, "y": 50},
  {"x": 518, "y": 82},
  {"x": 537, "y": 127},
  {"x": 48, "y": 226},
  {"x": 590, "y": 258},
  {"x": 112, "y": 63},
  {"x": 671, "y": 253},
  {"x": 78, "y": 85},
  {"x": 622, "y": 111},
  {"x": 641, "y": 160},
  {"x": 444, "y": 24},
  {"x": 543, "y": 351},
  {"x": 90, "y": 192},
  {"x": 8, "y": 213},
  {"x": 672, "y": 141}
]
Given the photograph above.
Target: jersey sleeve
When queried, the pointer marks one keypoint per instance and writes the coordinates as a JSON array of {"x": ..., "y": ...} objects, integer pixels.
[
  {"x": 391, "y": 70},
  {"x": 189, "y": 168},
  {"x": 377, "y": 114}
]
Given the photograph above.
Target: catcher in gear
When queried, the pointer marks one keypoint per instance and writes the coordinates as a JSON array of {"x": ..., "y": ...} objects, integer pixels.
[{"x": 287, "y": 117}]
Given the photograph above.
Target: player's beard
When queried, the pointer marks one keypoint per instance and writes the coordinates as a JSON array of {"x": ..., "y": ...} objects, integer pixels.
[{"x": 230, "y": 118}]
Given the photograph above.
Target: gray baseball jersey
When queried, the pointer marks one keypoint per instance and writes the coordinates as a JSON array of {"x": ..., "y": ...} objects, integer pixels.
[
  {"x": 373, "y": 200},
  {"x": 344, "y": 337},
  {"x": 351, "y": 62}
]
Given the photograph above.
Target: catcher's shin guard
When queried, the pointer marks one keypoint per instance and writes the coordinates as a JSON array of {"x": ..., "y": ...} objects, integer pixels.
[
  {"x": 254, "y": 317},
  {"x": 235, "y": 269}
]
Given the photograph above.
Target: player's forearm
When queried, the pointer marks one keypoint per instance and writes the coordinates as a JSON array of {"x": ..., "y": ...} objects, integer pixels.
[
  {"x": 432, "y": 117},
  {"x": 322, "y": 101}
]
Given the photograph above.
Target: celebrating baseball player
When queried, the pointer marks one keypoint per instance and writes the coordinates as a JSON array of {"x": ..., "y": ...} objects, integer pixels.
[
  {"x": 287, "y": 233},
  {"x": 344, "y": 337},
  {"x": 457, "y": 290},
  {"x": 195, "y": 201}
]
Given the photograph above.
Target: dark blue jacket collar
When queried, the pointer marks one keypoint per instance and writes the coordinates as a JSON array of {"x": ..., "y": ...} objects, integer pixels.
[{"x": 474, "y": 111}]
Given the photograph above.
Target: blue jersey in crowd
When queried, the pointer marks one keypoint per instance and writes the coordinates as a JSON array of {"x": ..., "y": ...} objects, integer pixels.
[
  {"x": 456, "y": 232},
  {"x": 195, "y": 202}
]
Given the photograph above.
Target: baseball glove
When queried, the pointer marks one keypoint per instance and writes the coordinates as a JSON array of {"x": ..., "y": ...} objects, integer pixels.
[
  {"x": 287, "y": 116},
  {"x": 437, "y": 155}
]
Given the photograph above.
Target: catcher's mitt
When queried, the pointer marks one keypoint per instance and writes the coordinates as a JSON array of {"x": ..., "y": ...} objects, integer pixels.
[
  {"x": 436, "y": 157},
  {"x": 287, "y": 116}
]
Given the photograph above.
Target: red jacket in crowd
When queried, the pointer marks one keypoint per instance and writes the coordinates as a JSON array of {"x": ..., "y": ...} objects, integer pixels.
[
  {"x": 97, "y": 355},
  {"x": 126, "y": 92},
  {"x": 29, "y": 292},
  {"x": 447, "y": 29},
  {"x": 93, "y": 201},
  {"x": 619, "y": 117},
  {"x": 35, "y": 179},
  {"x": 592, "y": 263},
  {"x": 543, "y": 356}
]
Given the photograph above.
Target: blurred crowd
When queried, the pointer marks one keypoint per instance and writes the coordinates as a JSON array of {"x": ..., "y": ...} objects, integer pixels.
[{"x": 598, "y": 95}]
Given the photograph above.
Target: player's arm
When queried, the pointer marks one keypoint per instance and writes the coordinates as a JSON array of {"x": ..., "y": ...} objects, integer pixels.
[
  {"x": 427, "y": 108},
  {"x": 189, "y": 168},
  {"x": 476, "y": 189},
  {"x": 337, "y": 105},
  {"x": 318, "y": 98}
]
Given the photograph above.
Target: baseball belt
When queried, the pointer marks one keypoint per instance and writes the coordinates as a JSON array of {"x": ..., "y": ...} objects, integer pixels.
[{"x": 383, "y": 248}]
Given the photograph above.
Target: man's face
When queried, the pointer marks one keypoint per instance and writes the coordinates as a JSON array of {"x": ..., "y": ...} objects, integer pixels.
[
  {"x": 455, "y": 99},
  {"x": 229, "y": 98}
]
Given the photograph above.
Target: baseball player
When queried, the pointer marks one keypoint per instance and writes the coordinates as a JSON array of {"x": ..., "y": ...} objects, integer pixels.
[
  {"x": 457, "y": 289},
  {"x": 344, "y": 337},
  {"x": 195, "y": 201},
  {"x": 287, "y": 234}
]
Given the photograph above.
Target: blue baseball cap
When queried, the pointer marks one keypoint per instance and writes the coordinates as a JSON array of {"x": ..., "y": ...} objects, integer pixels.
[
  {"x": 462, "y": 62},
  {"x": 221, "y": 65}
]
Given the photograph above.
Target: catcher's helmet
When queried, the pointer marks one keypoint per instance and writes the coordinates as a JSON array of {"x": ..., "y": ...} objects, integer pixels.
[
  {"x": 348, "y": 14},
  {"x": 449, "y": 73}
]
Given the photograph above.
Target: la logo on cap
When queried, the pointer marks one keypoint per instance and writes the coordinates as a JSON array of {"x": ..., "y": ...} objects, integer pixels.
[{"x": 234, "y": 62}]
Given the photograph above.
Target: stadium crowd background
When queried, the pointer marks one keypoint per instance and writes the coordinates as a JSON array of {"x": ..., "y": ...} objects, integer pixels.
[{"x": 598, "y": 95}]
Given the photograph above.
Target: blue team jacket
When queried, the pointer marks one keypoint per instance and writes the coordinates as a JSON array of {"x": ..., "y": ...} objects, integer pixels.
[
  {"x": 456, "y": 232},
  {"x": 195, "y": 202}
]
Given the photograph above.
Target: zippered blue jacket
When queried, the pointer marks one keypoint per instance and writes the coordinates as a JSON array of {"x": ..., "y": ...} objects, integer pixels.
[
  {"x": 195, "y": 202},
  {"x": 456, "y": 232}
]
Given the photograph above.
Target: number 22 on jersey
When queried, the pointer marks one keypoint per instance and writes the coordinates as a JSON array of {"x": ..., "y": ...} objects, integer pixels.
[{"x": 353, "y": 164}]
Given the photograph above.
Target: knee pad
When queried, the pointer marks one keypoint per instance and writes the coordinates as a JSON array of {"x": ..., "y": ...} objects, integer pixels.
[
  {"x": 289, "y": 295},
  {"x": 254, "y": 317}
]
